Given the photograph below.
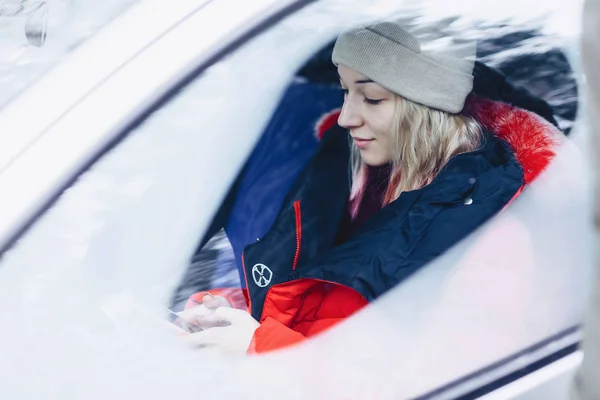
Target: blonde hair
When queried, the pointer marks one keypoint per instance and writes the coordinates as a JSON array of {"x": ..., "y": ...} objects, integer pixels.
[{"x": 423, "y": 139}]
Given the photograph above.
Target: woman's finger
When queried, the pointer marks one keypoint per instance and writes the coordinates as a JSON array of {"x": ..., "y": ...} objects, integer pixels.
[
  {"x": 209, "y": 301},
  {"x": 195, "y": 314},
  {"x": 213, "y": 321},
  {"x": 207, "y": 338},
  {"x": 224, "y": 316},
  {"x": 213, "y": 302},
  {"x": 230, "y": 314}
]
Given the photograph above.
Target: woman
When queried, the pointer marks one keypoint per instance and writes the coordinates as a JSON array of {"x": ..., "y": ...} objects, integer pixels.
[{"x": 426, "y": 170}]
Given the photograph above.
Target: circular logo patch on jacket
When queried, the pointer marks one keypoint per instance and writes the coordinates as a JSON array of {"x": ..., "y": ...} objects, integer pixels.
[{"x": 262, "y": 275}]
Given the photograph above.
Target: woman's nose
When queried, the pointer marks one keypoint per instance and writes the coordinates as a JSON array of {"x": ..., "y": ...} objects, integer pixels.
[{"x": 349, "y": 117}]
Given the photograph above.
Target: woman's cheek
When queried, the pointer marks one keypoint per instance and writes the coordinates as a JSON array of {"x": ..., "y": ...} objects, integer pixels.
[{"x": 384, "y": 150}]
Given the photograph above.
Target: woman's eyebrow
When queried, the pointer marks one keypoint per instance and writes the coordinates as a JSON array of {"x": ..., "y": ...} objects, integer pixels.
[{"x": 361, "y": 81}]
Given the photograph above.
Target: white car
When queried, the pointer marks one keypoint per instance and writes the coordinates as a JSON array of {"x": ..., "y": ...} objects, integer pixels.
[{"x": 113, "y": 163}]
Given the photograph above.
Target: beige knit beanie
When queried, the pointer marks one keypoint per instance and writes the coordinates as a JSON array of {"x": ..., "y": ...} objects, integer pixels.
[{"x": 391, "y": 56}]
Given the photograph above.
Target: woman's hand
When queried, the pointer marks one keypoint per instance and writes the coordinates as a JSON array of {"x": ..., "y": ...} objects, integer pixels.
[
  {"x": 233, "y": 338},
  {"x": 194, "y": 319}
]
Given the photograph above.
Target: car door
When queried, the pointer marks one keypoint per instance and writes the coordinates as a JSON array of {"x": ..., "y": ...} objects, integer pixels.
[{"x": 99, "y": 227}]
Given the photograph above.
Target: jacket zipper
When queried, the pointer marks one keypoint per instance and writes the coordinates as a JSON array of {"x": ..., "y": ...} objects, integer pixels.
[
  {"x": 298, "y": 215},
  {"x": 247, "y": 287}
]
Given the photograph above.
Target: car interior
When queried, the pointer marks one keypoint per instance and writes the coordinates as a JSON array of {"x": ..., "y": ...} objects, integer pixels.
[{"x": 305, "y": 111}]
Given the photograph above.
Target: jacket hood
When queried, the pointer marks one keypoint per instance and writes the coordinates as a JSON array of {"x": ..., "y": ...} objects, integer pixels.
[{"x": 533, "y": 139}]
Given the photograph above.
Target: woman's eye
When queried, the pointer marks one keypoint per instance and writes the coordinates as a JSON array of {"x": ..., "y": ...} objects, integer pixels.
[
  {"x": 345, "y": 91},
  {"x": 371, "y": 101}
]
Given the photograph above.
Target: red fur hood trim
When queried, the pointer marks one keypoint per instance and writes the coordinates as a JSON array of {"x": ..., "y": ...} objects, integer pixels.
[
  {"x": 533, "y": 139},
  {"x": 326, "y": 122}
]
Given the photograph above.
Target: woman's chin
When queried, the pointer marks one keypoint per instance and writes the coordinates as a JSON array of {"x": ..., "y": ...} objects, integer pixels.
[{"x": 372, "y": 160}]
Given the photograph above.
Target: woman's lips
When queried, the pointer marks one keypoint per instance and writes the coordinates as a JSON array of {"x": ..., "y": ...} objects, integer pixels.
[{"x": 362, "y": 143}]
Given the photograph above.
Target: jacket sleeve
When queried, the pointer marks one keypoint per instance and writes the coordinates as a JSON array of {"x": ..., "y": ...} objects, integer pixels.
[
  {"x": 302, "y": 309},
  {"x": 273, "y": 335},
  {"x": 444, "y": 231}
]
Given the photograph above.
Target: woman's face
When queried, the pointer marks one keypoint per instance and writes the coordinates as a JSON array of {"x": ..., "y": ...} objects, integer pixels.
[{"x": 367, "y": 113}]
